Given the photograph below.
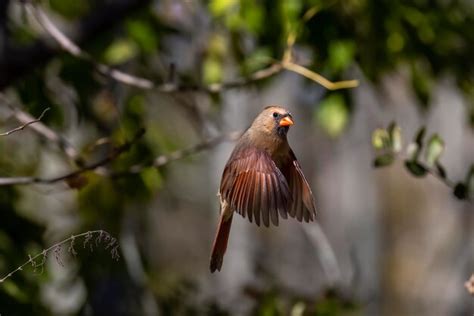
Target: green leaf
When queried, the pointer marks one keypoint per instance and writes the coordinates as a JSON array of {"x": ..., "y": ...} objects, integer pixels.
[
  {"x": 415, "y": 168},
  {"x": 461, "y": 191},
  {"x": 212, "y": 70},
  {"x": 333, "y": 115},
  {"x": 341, "y": 55},
  {"x": 380, "y": 139},
  {"x": 384, "y": 160},
  {"x": 120, "y": 51},
  {"x": 15, "y": 291},
  {"x": 152, "y": 179},
  {"x": 434, "y": 149},
  {"x": 220, "y": 7},
  {"x": 414, "y": 149},
  {"x": 144, "y": 35},
  {"x": 70, "y": 9},
  {"x": 395, "y": 133}
]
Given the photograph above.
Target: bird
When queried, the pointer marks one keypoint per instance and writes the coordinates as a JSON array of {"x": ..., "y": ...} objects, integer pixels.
[{"x": 262, "y": 180}]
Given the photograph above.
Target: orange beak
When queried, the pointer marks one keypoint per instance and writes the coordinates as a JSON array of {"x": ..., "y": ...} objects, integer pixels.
[{"x": 286, "y": 121}]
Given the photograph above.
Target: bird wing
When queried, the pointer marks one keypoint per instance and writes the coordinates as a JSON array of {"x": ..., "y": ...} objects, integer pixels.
[
  {"x": 302, "y": 206},
  {"x": 254, "y": 187}
]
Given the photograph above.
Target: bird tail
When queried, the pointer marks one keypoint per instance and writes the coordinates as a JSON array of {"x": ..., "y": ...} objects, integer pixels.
[{"x": 220, "y": 242}]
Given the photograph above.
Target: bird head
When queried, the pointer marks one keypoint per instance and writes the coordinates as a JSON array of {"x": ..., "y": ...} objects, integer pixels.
[{"x": 274, "y": 120}]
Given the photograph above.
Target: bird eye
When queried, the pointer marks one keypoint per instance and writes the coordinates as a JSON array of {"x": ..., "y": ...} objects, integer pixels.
[{"x": 275, "y": 114}]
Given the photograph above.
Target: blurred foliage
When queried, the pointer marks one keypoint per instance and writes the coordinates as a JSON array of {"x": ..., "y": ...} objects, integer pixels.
[
  {"x": 428, "y": 39},
  {"x": 388, "y": 145},
  {"x": 332, "y": 114}
]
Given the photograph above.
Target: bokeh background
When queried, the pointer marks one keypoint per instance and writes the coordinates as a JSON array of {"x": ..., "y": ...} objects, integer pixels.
[{"x": 386, "y": 242}]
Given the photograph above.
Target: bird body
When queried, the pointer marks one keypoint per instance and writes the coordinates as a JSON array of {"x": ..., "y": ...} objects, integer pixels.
[{"x": 262, "y": 180}]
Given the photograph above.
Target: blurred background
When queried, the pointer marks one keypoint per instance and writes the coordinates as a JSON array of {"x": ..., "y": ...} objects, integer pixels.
[{"x": 397, "y": 240}]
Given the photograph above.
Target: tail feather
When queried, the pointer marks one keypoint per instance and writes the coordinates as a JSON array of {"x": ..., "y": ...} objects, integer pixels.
[{"x": 220, "y": 243}]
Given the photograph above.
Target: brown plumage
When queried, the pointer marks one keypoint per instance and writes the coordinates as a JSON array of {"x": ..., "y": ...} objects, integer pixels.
[{"x": 262, "y": 180}]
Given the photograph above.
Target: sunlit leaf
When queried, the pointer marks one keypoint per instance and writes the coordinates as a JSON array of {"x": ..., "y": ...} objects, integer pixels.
[
  {"x": 341, "y": 54},
  {"x": 220, "y": 7},
  {"x": 415, "y": 168},
  {"x": 152, "y": 179},
  {"x": 253, "y": 16},
  {"x": 120, "y": 51},
  {"x": 298, "y": 309},
  {"x": 413, "y": 151},
  {"x": 434, "y": 149},
  {"x": 333, "y": 115},
  {"x": 395, "y": 133},
  {"x": 380, "y": 138},
  {"x": 212, "y": 70}
]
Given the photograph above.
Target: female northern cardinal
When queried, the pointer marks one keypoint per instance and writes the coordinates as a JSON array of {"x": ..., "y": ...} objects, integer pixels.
[{"x": 262, "y": 179}]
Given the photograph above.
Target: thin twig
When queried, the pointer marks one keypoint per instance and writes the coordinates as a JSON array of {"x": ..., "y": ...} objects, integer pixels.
[
  {"x": 69, "y": 46},
  {"x": 164, "y": 159},
  {"x": 45, "y": 132},
  {"x": 102, "y": 235},
  {"x": 71, "y": 175},
  {"x": 22, "y": 127}
]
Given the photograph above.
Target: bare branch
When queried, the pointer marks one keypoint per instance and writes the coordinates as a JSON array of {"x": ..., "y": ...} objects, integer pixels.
[
  {"x": 17, "y": 61},
  {"x": 110, "y": 243},
  {"x": 305, "y": 72},
  {"x": 45, "y": 132},
  {"x": 22, "y": 127},
  {"x": 164, "y": 159},
  {"x": 72, "y": 175},
  {"x": 69, "y": 46}
]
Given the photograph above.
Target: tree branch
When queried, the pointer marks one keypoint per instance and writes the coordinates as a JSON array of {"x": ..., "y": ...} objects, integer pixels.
[
  {"x": 44, "y": 131},
  {"x": 69, "y": 46},
  {"x": 73, "y": 175},
  {"x": 72, "y": 48},
  {"x": 164, "y": 159},
  {"x": 16, "y": 62},
  {"x": 22, "y": 127}
]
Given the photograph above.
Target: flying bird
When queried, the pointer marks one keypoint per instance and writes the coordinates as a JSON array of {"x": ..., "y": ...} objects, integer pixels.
[{"x": 262, "y": 180}]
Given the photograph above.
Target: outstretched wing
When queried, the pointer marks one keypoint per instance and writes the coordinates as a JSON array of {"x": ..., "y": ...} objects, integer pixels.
[
  {"x": 302, "y": 206},
  {"x": 254, "y": 187}
]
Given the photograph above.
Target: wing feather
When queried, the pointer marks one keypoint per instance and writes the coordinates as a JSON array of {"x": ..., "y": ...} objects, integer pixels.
[
  {"x": 255, "y": 187},
  {"x": 302, "y": 207}
]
